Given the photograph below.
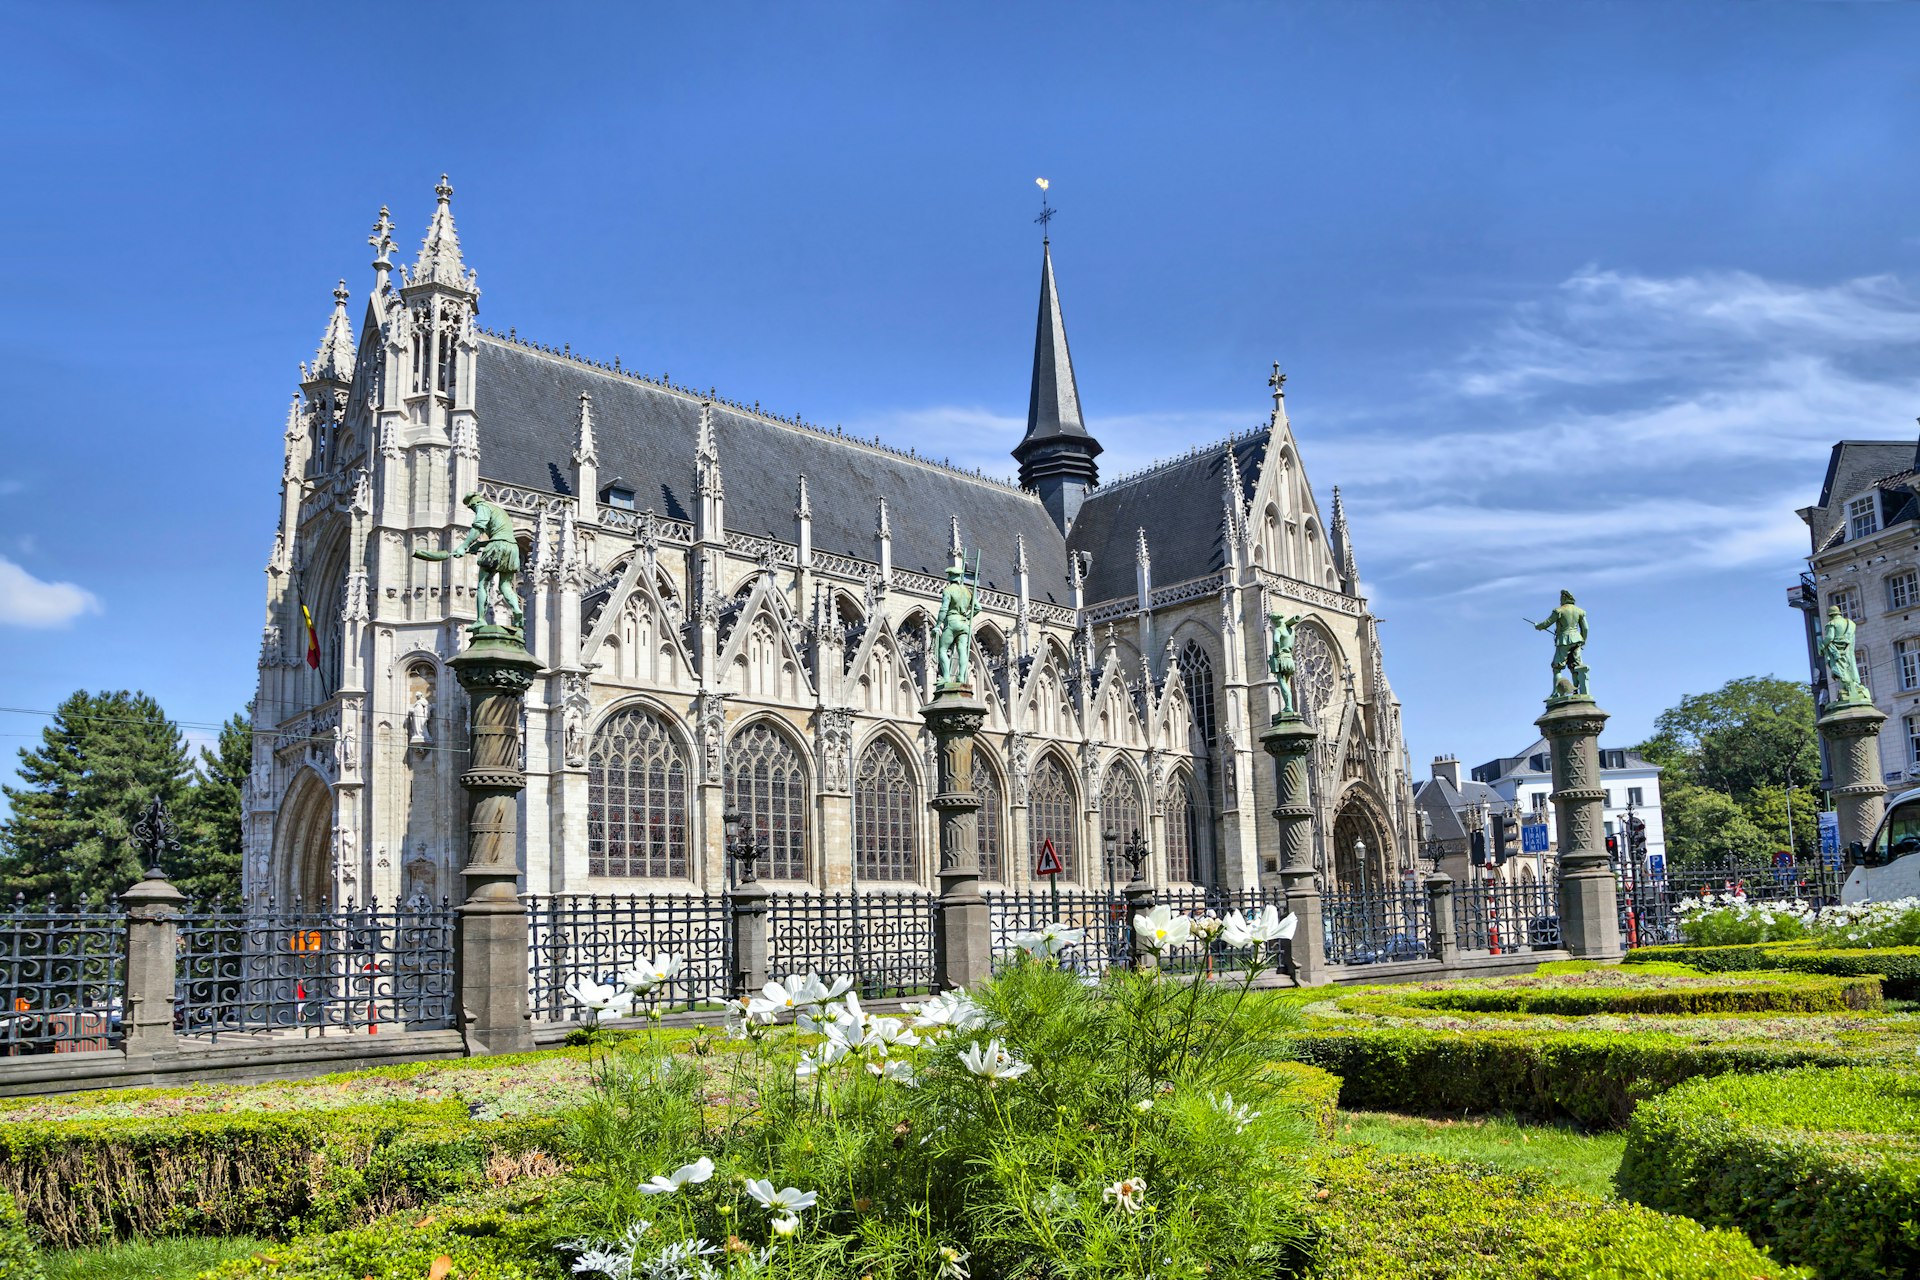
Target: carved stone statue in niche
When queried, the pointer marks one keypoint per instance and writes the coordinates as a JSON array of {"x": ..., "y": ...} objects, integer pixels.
[{"x": 420, "y": 707}]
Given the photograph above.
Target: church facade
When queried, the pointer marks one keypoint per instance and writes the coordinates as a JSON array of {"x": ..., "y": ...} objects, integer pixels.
[{"x": 734, "y": 610}]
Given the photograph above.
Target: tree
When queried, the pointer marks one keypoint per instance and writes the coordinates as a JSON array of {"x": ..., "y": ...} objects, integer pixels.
[
  {"x": 1705, "y": 826},
  {"x": 1753, "y": 732},
  {"x": 100, "y": 762},
  {"x": 1766, "y": 807},
  {"x": 209, "y": 867}
]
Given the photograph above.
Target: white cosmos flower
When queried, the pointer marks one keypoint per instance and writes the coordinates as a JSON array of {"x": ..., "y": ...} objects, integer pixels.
[
  {"x": 1234, "y": 932},
  {"x": 786, "y": 1226},
  {"x": 1239, "y": 1116},
  {"x": 1269, "y": 927},
  {"x": 952, "y": 1263},
  {"x": 1160, "y": 928},
  {"x": 1205, "y": 926},
  {"x": 993, "y": 1062},
  {"x": 953, "y": 1010},
  {"x": 1128, "y": 1193},
  {"x": 823, "y": 1057},
  {"x": 599, "y": 999},
  {"x": 699, "y": 1171},
  {"x": 647, "y": 974},
  {"x": 786, "y": 1200},
  {"x": 1049, "y": 939},
  {"x": 882, "y": 1034},
  {"x": 895, "y": 1069}
]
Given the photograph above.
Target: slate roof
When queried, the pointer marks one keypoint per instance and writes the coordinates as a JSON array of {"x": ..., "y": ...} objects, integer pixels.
[
  {"x": 1853, "y": 467},
  {"x": 1181, "y": 504},
  {"x": 528, "y": 403},
  {"x": 1053, "y": 401},
  {"x": 1443, "y": 803}
]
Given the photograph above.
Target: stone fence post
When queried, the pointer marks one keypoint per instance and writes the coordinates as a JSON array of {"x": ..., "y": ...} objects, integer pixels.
[
  {"x": 1589, "y": 892},
  {"x": 1288, "y": 741},
  {"x": 1138, "y": 892},
  {"x": 1852, "y": 733},
  {"x": 962, "y": 938},
  {"x": 491, "y": 944},
  {"x": 1441, "y": 945},
  {"x": 146, "y": 1020},
  {"x": 751, "y": 935}
]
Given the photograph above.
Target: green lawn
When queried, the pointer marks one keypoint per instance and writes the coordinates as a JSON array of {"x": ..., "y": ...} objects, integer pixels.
[
  {"x": 1585, "y": 1161},
  {"x": 178, "y": 1259}
]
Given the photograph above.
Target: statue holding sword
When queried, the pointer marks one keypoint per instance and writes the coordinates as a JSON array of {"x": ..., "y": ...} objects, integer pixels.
[
  {"x": 1569, "y": 624},
  {"x": 959, "y": 604}
]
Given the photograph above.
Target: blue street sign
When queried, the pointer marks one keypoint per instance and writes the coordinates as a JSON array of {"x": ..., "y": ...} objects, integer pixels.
[
  {"x": 1533, "y": 838},
  {"x": 1830, "y": 838},
  {"x": 1657, "y": 866}
]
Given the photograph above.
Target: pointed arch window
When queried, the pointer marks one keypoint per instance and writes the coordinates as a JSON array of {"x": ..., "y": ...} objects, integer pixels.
[
  {"x": 637, "y": 804},
  {"x": 1122, "y": 813},
  {"x": 1180, "y": 832},
  {"x": 767, "y": 784},
  {"x": 885, "y": 817},
  {"x": 986, "y": 786},
  {"x": 1052, "y": 812},
  {"x": 1196, "y": 678}
]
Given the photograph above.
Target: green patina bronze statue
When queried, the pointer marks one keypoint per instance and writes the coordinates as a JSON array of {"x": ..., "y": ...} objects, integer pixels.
[
  {"x": 499, "y": 558},
  {"x": 1843, "y": 664},
  {"x": 1569, "y": 624},
  {"x": 958, "y": 605},
  {"x": 1280, "y": 660}
]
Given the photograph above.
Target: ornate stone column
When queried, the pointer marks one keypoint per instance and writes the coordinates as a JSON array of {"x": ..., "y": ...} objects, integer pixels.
[
  {"x": 1852, "y": 733},
  {"x": 153, "y": 910},
  {"x": 492, "y": 944},
  {"x": 962, "y": 945},
  {"x": 1288, "y": 740},
  {"x": 1440, "y": 917},
  {"x": 1589, "y": 893}
]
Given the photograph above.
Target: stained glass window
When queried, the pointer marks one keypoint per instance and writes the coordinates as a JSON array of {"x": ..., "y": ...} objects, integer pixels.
[
  {"x": 1121, "y": 812},
  {"x": 1196, "y": 674},
  {"x": 767, "y": 784},
  {"x": 1180, "y": 829},
  {"x": 1051, "y": 813},
  {"x": 986, "y": 785},
  {"x": 885, "y": 818},
  {"x": 636, "y": 798}
]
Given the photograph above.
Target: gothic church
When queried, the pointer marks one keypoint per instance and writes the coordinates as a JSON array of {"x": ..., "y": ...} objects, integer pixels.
[{"x": 734, "y": 609}]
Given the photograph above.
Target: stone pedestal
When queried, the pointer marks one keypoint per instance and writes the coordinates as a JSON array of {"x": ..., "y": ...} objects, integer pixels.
[
  {"x": 1440, "y": 917},
  {"x": 1139, "y": 895},
  {"x": 153, "y": 910},
  {"x": 491, "y": 944},
  {"x": 962, "y": 942},
  {"x": 1589, "y": 892},
  {"x": 748, "y": 903},
  {"x": 1852, "y": 734},
  {"x": 1288, "y": 740}
]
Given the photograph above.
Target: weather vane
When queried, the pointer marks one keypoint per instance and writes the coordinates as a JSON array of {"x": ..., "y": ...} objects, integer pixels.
[{"x": 1046, "y": 214}]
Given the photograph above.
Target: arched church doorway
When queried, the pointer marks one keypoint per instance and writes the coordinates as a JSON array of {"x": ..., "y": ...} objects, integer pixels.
[
  {"x": 303, "y": 843},
  {"x": 1361, "y": 847}
]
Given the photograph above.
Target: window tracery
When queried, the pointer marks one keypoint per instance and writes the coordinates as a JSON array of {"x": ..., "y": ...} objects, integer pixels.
[
  {"x": 1052, "y": 812},
  {"x": 986, "y": 786},
  {"x": 636, "y": 798},
  {"x": 885, "y": 817},
  {"x": 1122, "y": 813},
  {"x": 767, "y": 785}
]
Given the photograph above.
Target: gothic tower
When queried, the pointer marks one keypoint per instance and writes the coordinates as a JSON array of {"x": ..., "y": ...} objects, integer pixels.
[{"x": 1056, "y": 455}]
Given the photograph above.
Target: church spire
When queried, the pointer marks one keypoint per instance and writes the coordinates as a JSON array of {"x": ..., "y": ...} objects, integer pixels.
[
  {"x": 333, "y": 362},
  {"x": 1343, "y": 547},
  {"x": 440, "y": 261},
  {"x": 1056, "y": 455}
]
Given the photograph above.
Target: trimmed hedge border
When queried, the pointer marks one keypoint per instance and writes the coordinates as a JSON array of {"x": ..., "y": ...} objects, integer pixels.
[
  {"x": 1765, "y": 992},
  {"x": 1407, "y": 1217},
  {"x": 19, "y": 1260},
  {"x": 1821, "y": 1166},
  {"x": 1900, "y": 966},
  {"x": 1595, "y": 1078},
  {"x": 81, "y": 1182}
]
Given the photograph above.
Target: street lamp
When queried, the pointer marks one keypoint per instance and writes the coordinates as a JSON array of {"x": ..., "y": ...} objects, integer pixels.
[
  {"x": 1135, "y": 852},
  {"x": 741, "y": 847},
  {"x": 1360, "y": 860}
]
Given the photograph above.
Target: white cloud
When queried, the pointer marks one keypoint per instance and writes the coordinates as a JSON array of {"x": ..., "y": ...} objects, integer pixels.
[{"x": 26, "y": 601}]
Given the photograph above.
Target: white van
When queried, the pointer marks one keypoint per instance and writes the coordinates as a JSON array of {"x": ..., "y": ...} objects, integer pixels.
[{"x": 1889, "y": 867}]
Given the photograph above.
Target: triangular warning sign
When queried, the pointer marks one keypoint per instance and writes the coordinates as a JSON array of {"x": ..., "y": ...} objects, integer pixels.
[{"x": 1049, "y": 864}]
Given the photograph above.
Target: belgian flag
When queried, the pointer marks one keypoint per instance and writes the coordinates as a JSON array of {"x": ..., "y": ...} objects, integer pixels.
[{"x": 313, "y": 639}]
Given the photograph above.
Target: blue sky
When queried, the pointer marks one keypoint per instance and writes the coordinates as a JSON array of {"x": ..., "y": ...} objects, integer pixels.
[{"x": 1568, "y": 295}]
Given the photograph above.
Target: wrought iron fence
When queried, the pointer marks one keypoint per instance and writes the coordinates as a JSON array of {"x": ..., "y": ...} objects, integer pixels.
[
  {"x": 1376, "y": 925},
  {"x": 314, "y": 972},
  {"x": 1103, "y": 917},
  {"x": 62, "y": 978},
  {"x": 1502, "y": 918},
  {"x": 1647, "y": 906},
  {"x": 884, "y": 941},
  {"x": 597, "y": 936},
  {"x": 1209, "y": 955}
]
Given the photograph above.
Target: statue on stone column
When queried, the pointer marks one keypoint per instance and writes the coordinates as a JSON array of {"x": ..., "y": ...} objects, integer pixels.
[
  {"x": 1280, "y": 662},
  {"x": 958, "y": 605},
  {"x": 1569, "y": 623},
  {"x": 1837, "y": 652},
  {"x": 499, "y": 558}
]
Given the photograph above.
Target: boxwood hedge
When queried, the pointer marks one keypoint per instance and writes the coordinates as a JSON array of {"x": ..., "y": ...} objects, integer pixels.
[
  {"x": 1899, "y": 966},
  {"x": 249, "y": 1173},
  {"x": 1594, "y": 1078},
  {"x": 19, "y": 1260},
  {"x": 1407, "y": 1217},
  {"x": 1731, "y": 993},
  {"x": 1821, "y": 1166}
]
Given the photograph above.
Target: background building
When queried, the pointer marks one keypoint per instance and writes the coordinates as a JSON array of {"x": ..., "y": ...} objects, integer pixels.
[
  {"x": 735, "y": 608},
  {"x": 1632, "y": 783},
  {"x": 1865, "y": 557},
  {"x": 1452, "y": 809}
]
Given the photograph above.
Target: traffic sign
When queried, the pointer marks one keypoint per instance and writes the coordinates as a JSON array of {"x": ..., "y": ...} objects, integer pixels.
[
  {"x": 1049, "y": 863},
  {"x": 1533, "y": 838}
]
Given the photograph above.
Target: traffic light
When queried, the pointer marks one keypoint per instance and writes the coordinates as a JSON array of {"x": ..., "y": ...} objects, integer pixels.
[
  {"x": 1637, "y": 838},
  {"x": 1506, "y": 834},
  {"x": 1479, "y": 845},
  {"x": 1613, "y": 846}
]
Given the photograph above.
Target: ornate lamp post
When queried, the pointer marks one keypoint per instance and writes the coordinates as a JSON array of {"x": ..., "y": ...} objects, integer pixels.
[
  {"x": 742, "y": 848},
  {"x": 748, "y": 902}
]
